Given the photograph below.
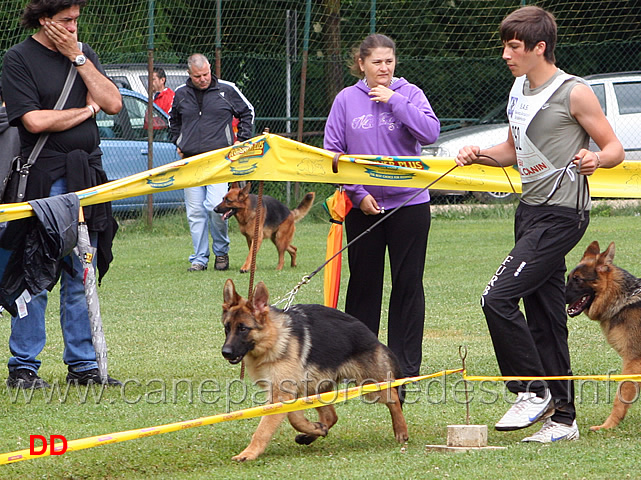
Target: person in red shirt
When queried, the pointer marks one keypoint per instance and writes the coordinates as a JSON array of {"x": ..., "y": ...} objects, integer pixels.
[{"x": 163, "y": 96}]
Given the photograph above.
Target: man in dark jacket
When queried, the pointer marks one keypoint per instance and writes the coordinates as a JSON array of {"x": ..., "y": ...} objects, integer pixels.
[{"x": 201, "y": 120}]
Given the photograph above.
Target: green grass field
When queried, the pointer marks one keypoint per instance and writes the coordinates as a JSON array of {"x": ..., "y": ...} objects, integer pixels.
[{"x": 164, "y": 335}]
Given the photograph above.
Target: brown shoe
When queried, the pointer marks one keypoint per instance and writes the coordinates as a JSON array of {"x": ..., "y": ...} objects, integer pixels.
[
  {"x": 197, "y": 267},
  {"x": 222, "y": 262}
]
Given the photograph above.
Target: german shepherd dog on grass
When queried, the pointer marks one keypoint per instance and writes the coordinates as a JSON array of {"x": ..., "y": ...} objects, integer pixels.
[
  {"x": 305, "y": 350},
  {"x": 276, "y": 222},
  {"x": 612, "y": 297}
]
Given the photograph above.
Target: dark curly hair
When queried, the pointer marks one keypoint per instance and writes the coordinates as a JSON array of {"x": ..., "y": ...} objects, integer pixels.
[{"x": 36, "y": 9}]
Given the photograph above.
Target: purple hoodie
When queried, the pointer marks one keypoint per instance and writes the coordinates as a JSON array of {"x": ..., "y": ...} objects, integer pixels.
[{"x": 404, "y": 123}]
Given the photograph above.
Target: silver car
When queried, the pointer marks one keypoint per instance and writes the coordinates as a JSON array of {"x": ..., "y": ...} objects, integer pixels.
[
  {"x": 620, "y": 98},
  {"x": 133, "y": 76}
]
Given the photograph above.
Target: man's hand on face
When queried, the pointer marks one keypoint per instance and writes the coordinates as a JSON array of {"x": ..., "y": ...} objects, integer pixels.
[{"x": 65, "y": 41}]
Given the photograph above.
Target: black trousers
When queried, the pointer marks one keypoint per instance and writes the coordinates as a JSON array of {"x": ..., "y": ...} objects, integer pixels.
[
  {"x": 404, "y": 236},
  {"x": 535, "y": 344}
]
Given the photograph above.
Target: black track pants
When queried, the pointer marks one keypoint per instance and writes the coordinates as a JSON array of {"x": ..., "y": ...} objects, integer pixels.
[
  {"x": 535, "y": 344},
  {"x": 404, "y": 235}
]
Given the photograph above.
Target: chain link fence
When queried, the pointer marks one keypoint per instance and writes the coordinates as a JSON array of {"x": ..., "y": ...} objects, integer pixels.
[{"x": 290, "y": 57}]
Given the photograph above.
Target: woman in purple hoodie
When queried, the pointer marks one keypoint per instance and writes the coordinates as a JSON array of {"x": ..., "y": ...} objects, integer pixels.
[{"x": 385, "y": 115}]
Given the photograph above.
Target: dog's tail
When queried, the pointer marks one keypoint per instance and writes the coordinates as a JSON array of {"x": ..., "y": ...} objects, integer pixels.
[{"x": 304, "y": 206}]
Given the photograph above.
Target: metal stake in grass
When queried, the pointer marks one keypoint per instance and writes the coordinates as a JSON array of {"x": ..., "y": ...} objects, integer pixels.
[
  {"x": 462, "y": 353},
  {"x": 462, "y": 438}
]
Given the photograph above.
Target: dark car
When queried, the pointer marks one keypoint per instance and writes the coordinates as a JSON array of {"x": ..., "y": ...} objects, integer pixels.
[{"x": 123, "y": 140}]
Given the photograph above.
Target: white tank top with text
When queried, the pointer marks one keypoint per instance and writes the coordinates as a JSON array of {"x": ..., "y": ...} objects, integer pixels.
[{"x": 521, "y": 109}]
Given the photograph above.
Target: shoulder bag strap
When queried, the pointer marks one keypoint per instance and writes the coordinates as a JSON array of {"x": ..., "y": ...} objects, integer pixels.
[{"x": 62, "y": 99}]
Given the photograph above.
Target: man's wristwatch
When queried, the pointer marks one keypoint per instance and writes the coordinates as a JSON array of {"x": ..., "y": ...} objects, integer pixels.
[{"x": 80, "y": 60}]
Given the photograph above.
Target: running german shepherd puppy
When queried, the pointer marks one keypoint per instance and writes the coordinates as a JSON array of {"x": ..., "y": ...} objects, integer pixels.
[
  {"x": 276, "y": 222},
  {"x": 305, "y": 350},
  {"x": 612, "y": 297}
]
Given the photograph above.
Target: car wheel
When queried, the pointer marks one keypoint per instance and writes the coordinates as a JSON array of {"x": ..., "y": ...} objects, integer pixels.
[{"x": 494, "y": 197}]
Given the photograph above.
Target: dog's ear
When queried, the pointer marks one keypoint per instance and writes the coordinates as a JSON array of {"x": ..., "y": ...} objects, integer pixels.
[
  {"x": 592, "y": 251},
  {"x": 608, "y": 255},
  {"x": 260, "y": 301},
  {"x": 234, "y": 185},
  {"x": 605, "y": 259},
  {"x": 247, "y": 188},
  {"x": 230, "y": 297}
]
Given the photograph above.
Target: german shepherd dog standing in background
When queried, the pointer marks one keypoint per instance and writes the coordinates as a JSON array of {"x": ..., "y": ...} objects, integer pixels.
[
  {"x": 305, "y": 350},
  {"x": 276, "y": 220},
  {"x": 612, "y": 297}
]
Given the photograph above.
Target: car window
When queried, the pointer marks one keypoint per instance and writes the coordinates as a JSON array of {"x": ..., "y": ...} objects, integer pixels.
[
  {"x": 161, "y": 128},
  {"x": 143, "y": 80},
  {"x": 497, "y": 115},
  {"x": 106, "y": 125},
  {"x": 599, "y": 91},
  {"x": 136, "y": 111},
  {"x": 130, "y": 123},
  {"x": 121, "y": 81},
  {"x": 628, "y": 97},
  {"x": 175, "y": 81}
]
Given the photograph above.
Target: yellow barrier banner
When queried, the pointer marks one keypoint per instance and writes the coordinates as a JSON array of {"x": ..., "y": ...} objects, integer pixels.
[
  {"x": 312, "y": 401},
  {"x": 602, "y": 378},
  {"x": 271, "y": 157}
]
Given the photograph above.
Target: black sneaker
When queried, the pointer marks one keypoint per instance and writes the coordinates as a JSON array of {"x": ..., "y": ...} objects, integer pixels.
[
  {"x": 222, "y": 262},
  {"x": 25, "y": 378},
  {"x": 87, "y": 377}
]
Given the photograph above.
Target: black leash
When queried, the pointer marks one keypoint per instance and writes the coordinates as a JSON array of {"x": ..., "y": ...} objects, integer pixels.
[
  {"x": 502, "y": 168},
  {"x": 580, "y": 198},
  {"x": 290, "y": 296},
  {"x": 382, "y": 219}
]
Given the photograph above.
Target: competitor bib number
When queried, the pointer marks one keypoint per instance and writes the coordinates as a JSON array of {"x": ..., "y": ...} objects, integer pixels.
[{"x": 516, "y": 135}]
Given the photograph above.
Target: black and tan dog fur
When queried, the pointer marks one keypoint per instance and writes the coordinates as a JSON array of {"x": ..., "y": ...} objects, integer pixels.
[
  {"x": 304, "y": 350},
  {"x": 277, "y": 222},
  {"x": 611, "y": 296}
]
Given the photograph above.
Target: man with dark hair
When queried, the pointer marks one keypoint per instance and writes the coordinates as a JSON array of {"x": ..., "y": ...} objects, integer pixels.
[
  {"x": 33, "y": 75},
  {"x": 201, "y": 120},
  {"x": 163, "y": 95},
  {"x": 552, "y": 116}
]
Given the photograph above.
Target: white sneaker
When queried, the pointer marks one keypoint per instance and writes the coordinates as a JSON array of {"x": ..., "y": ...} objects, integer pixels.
[
  {"x": 553, "y": 432},
  {"x": 527, "y": 410}
]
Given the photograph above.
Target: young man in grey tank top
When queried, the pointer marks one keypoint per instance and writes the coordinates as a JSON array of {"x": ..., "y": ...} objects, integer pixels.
[{"x": 552, "y": 116}]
